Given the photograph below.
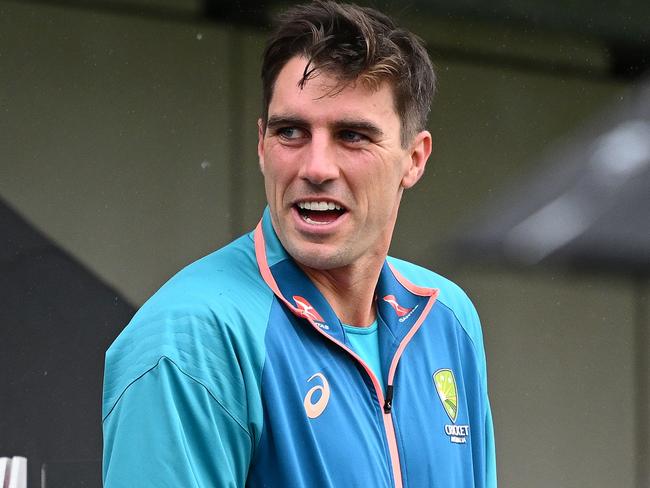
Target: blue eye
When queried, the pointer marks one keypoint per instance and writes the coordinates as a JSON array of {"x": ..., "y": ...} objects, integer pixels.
[
  {"x": 351, "y": 136},
  {"x": 290, "y": 132}
]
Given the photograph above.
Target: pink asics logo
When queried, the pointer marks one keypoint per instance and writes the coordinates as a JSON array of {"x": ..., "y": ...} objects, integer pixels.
[{"x": 314, "y": 409}]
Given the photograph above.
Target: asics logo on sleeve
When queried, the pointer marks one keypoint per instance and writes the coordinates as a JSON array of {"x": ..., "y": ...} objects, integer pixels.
[{"x": 314, "y": 409}]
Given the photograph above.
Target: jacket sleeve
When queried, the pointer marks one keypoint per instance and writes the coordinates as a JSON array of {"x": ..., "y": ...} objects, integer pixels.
[
  {"x": 166, "y": 429},
  {"x": 490, "y": 451},
  {"x": 475, "y": 332}
]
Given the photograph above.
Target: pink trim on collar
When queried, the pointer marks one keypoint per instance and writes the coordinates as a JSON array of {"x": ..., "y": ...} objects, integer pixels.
[{"x": 415, "y": 289}]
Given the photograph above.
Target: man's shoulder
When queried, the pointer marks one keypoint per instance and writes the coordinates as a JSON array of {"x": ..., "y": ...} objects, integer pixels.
[
  {"x": 222, "y": 282},
  {"x": 222, "y": 289},
  {"x": 448, "y": 291},
  {"x": 213, "y": 309},
  {"x": 450, "y": 295},
  {"x": 452, "y": 298}
]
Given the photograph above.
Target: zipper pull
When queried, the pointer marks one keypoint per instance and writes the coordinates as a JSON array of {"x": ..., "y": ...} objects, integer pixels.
[{"x": 388, "y": 404}]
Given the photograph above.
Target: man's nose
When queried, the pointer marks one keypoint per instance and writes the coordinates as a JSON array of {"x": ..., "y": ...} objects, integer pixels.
[{"x": 320, "y": 165}]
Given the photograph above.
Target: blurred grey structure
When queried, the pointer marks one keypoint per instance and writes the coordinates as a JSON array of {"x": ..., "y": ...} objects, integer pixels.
[
  {"x": 128, "y": 141},
  {"x": 589, "y": 204},
  {"x": 587, "y": 209}
]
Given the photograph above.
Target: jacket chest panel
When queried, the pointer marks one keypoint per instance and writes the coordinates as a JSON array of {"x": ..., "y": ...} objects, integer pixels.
[
  {"x": 321, "y": 416},
  {"x": 436, "y": 407}
]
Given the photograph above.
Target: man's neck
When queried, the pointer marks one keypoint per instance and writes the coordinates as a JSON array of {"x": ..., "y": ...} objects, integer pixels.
[{"x": 350, "y": 290}]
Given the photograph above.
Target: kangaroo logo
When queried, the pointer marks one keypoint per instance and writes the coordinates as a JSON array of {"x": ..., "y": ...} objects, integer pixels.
[
  {"x": 306, "y": 310},
  {"x": 399, "y": 310},
  {"x": 314, "y": 409}
]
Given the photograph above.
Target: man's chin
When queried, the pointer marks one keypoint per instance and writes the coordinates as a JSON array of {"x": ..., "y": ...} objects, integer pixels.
[{"x": 318, "y": 256}]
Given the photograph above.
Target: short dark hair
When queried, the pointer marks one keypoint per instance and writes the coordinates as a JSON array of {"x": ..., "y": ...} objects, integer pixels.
[{"x": 353, "y": 43}]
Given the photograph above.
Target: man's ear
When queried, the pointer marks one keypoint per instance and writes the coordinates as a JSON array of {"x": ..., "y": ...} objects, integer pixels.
[
  {"x": 419, "y": 152},
  {"x": 260, "y": 143}
]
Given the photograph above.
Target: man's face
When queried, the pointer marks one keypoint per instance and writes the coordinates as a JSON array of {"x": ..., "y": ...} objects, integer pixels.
[{"x": 334, "y": 168}]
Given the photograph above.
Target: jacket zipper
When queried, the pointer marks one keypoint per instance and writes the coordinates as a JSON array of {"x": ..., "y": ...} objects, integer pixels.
[
  {"x": 387, "y": 402},
  {"x": 384, "y": 403}
]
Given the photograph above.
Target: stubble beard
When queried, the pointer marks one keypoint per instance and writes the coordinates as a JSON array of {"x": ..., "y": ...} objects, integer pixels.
[{"x": 310, "y": 256}]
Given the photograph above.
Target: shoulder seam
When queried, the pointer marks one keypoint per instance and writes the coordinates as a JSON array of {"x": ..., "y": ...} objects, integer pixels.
[
  {"x": 217, "y": 401},
  {"x": 471, "y": 339}
]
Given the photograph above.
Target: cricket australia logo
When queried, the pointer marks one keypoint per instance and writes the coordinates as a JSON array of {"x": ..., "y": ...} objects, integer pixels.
[{"x": 445, "y": 384}]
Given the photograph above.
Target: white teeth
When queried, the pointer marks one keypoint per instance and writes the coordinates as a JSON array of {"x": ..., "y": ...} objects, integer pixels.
[
  {"x": 313, "y": 222},
  {"x": 319, "y": 206}
]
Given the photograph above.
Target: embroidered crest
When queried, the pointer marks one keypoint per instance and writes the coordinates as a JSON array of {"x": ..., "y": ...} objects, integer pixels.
[{"x": 445, "y": 384}]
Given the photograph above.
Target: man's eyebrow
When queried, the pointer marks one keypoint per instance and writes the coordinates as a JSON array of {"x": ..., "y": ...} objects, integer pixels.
[
  {"x": 359, "y": 125},
  {"x": 286, "y": 120},
  {"x": 342, "y": 124}
]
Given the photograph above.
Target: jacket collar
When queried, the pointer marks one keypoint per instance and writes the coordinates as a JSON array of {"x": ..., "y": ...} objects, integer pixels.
[{"x": 401, "y": 305}]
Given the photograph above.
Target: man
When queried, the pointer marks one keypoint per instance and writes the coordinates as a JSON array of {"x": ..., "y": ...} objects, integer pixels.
[{"x": 300, "y": 355}]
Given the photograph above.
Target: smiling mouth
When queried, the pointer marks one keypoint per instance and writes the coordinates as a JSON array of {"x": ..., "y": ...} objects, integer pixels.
[{"x": 319, "y": 213}]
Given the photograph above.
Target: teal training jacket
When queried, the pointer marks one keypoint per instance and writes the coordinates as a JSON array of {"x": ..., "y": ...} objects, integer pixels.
[{"x": 237, "y": 372}]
